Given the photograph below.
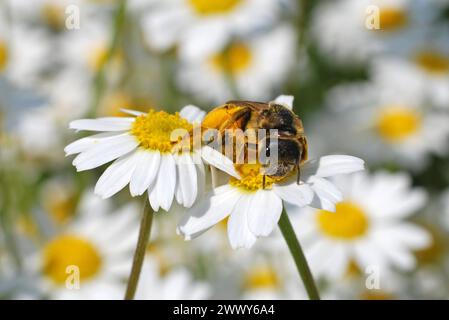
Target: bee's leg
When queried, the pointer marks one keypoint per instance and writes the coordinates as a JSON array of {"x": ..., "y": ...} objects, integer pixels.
[
  {"x": 298, "y": 168},
  {"x": 298, "y": 173},
  {"x": 263, "y": 182}
]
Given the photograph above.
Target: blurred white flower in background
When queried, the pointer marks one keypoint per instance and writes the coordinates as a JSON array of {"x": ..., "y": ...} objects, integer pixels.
[
  {"x": 200, "y": 28},
  {"x": 269, "y": 276},
  {"x": 426, "y": 61},
  {"x": 98, "y": 245},
  {"x": 86, "y": 50},
  {"x": 387, "y": 120},
  {"x": 346, "y": 39},
  {"x": 256, "y": 65},
  {"x": 369, "y": 227},
  {"x": 175, "y": 284}
]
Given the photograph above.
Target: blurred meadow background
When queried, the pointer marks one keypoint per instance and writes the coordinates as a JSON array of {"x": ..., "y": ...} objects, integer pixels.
[{"x": 370, "y": 79}]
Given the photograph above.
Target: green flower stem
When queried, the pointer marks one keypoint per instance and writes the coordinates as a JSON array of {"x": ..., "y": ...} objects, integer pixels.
[
  {"x": 298, "y": 256},
  {"x": 139, "y": 254}
]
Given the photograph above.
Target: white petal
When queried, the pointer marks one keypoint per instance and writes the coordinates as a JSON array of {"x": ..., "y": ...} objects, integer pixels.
[
  {"x": 178, "y": 193},
  {"x": 238, "y": 231},
  {"x": 133, "y": 112},
  {"x": 187, "y": 179},
  {"x": 367, "y": 253},
  {"x": 153, "y": 198},
  {"x": 103, "y": 124},
  {"x": 208, "y": 212},
  {"x": 286, "y": 101},
  {"x": 201, "y": 179},
  {"x": 326, "y": 194},
  {"x": 166, "y": 182},
  {"x": 116, "y": 176},
  {"x": 395, "y": 252},
  {"x": 86, "y": 143},
  {"x": 407, "y": 234},
  {"x": 264, "y": 214},
  {"x": 328, "y": 166},
  {"x": 146, "y": 170},
  {"x": 300, "y": 195},
  {"x": 192, "y": 113},
  {"x": 219, "y": 161},
  {"x": 104, "y": 152}
]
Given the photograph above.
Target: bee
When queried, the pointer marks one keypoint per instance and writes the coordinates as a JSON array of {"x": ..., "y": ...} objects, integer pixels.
[{"x": 291, "y": 140}]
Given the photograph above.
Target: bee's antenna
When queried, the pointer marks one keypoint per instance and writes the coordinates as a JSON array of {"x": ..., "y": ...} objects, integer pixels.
[{"x": 263, "y": 182}]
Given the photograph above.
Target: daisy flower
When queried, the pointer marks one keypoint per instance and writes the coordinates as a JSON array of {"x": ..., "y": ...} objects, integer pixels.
[
  {"x": 144, "y": 156},
  {"x": 253, "y": 210},
  {"x": 201, "y": 27},
  {"x": 97, "y": 246},
  {"x": 388, "y": 119},
  {"x": 353, "y": 37},
  {"x": 269, "y": 278},
  {"x": 257, "y": 64},
  {"x": 52, "y": 14},
  {"x": 87, "y": 49},
  {"x": 426, "y": 60},
  {"x": 368, "y": 228},
  {"x": 176, "y": 284},
  {"x": 24, "y": 53}
]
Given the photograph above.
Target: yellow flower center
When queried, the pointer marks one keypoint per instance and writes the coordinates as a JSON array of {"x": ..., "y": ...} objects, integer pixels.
[
  {"x": 433, "y": 62},
  {"x": 396, "y": 123},
  {"x": 251, "y": 178},
  {"x": 4, "y": 55},
  {"x": 235, "y": 59},
  {"x": 347, "y": 223},
  {"x": 212, "y": 7},
  {"x": 68, "y": 250},
  {"x": 53, "y": 16},
  {"x": 392, "y": 19},
  {"x": 261, "y": 277},
  {"x": 154, "y": 130}
]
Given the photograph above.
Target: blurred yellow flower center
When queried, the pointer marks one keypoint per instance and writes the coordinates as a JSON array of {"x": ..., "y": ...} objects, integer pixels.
[
  {"x": 261, "y": 277},
  {"x": 4, "y": 55},
  {"x": 392, "y": 19},
  {"x": 160, "y": 257},
  {"x": 396, "y": 123},
  {"x": 53, "y": 15},
  {"x": 154, "y": 130},
  {"x": 235, "y": 59},
  {"x": 251, "y": 178},
  {"x": 61, "y": 208},
  {"x": 376, "y": 295},
  {"x": 435, "y": 251},
  {"x": 433, "y": 62},
  {"x": 97, "y": 57},
  {"x": 68, "y": 250},
  {"x": 347, "y": 223},
  {"x": 211, "y": 7}
]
